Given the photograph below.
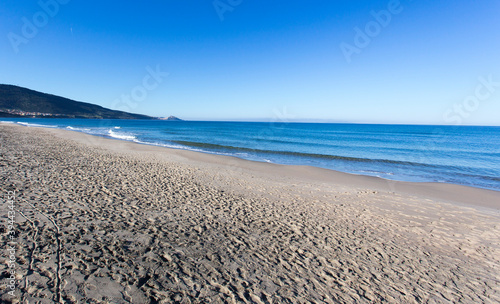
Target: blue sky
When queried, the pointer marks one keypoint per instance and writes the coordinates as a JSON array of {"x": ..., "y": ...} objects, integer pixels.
[{"x": 427, "y": 62}]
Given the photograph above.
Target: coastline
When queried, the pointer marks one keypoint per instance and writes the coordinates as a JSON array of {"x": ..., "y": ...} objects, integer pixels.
[
  {"x": 346, "y": 148},
  {"x": 458, "y": 194},
  {"x": 115, "y": 221}
]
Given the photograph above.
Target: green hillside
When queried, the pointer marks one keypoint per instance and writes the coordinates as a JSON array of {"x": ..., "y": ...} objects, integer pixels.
[{"x": 22, "y": 102}]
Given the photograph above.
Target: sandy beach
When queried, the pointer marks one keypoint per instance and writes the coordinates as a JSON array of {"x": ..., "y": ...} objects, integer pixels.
[{"x": 108, "y": 221}]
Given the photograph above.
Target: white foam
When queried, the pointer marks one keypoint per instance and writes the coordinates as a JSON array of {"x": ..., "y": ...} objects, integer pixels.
[
  {"x": 77, "y": 129},
  {"x": 120, "y": 136},
  {"x": 35, "y": 125}
]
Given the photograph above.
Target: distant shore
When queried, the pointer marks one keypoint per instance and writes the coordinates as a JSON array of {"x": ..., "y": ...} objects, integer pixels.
[{"x": 109, "y": 220}]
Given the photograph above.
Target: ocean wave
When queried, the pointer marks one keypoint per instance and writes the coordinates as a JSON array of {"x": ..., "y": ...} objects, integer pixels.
[
  {"x": 151, "y": 143},
  {"x": 209, "y": 146},
  {"x": 182, "y": 147},
  {"x": 77, "y": 129},
  {"x": 478, "y": 176},
  {"x": 113, "y": 134},
  {"x": 26, "y": 124},
  {"x": 374, "y": 172}
]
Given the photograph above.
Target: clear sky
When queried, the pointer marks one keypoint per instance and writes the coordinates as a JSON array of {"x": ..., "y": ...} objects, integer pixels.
[{"x": 420, "y": 61}]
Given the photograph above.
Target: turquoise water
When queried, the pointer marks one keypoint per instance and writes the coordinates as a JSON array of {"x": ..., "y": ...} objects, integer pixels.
[{"x": 464, "y": 155}]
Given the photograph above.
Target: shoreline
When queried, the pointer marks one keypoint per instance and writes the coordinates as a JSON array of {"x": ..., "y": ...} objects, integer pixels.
[
  {"x": 459, "y": 194},
  {"x": 109, "y": 221},
  {"x": 381, "y": 166}
]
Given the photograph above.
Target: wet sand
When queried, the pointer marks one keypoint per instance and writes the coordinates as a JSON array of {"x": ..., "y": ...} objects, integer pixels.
[{"x": 107, "y": 221}]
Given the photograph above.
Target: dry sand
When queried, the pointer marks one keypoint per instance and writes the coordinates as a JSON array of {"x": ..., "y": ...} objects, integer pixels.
[{"x": 106, "y": 221}]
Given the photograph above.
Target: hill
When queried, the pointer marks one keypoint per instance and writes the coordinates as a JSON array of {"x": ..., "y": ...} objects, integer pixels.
[
  {"x": 22, "y": 102},
  {"x": 171, "y": 118}
]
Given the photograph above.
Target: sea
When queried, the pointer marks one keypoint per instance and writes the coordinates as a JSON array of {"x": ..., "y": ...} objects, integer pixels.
[{"x": 464, "y": 155}]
